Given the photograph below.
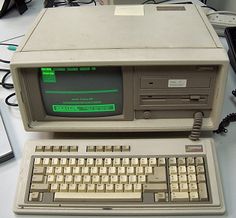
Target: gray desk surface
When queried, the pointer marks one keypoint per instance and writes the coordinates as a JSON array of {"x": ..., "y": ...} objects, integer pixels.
[{"x": 14, "y": 25}]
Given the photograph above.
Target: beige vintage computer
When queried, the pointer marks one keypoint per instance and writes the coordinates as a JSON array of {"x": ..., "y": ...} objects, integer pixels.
[{"x": 120, "y": 69}]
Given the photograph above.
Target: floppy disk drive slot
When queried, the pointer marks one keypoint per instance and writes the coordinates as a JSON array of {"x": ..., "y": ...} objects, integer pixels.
[{"x": 156, "y": 100}]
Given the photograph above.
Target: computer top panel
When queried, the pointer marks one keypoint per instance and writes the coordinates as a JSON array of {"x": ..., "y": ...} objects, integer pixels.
[{"x": 124, "y": 68}]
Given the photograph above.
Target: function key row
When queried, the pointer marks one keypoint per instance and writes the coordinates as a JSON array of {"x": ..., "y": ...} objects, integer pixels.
[
  {"x": 56, "y": 148},
  {"x": 182, "y": 161},
  {"x": 108, "y": 148}
]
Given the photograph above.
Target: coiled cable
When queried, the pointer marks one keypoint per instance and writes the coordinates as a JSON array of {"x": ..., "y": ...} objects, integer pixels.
[
  {"x": 225, "y": 122},
  {"x": 197, "y": 124}
]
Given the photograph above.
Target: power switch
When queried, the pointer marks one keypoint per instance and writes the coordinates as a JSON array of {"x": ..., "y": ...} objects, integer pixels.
[{"x": 147, "y": 114}]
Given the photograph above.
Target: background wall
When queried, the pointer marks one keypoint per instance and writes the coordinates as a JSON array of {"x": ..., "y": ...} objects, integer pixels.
[{"x": 228, "y": 5}]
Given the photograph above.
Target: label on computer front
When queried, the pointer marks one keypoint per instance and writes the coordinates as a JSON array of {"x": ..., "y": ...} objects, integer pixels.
[{"x": 177, "y": 83}]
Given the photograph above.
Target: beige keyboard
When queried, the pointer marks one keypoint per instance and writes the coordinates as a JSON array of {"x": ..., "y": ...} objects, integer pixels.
[{"x": 120, "y": 176}]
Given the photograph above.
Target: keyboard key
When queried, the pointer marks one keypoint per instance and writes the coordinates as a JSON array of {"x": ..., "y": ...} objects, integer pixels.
[
  {"x": 48, "y": 148},
  {"x": 78, "y": 179},
  {"x": 143, "y": 162},
  {"x": 35, "y": 187},
  {"x": 107, "y": 196},
  {"x": 128, "y": 188},
  {"x": 39, "y": 148},
  {"x": 96, "y": 179},
  {"x": 46, "y": 161},
  {"x": 200, "y": 169},
  {"x": 183, "y": 187},
  {"x": 38, "y": 170},
  {"x": 180, "y": 196},
  {"x": 105, "y": 179},
  {"x": 63, "y": 187},
  {"x": 148, "y": 170},
  {"x": 135, "y": 162},
  {"x": 51, "y": 179},
  {"x": 192, "y": 187},
  {"x": 174, "y": 178},
  {"x": 125, "y": 162},
  {"x": 161, "y": 197},
  {"x": 38, "y": 161},
  {"x": 37, "y": 178},
  {"x": 181, "y": 161},
  {"x": 118, "y": 188},
  {"x": 183, "y": 178},
  {"x": 35, "y": 196},
  {"x": 123, "y": 179},
  {"x": 137, "y": 188},
  {"x": 55, "y": 162},
  {"x": 54, "y": 187},
  {"x": 174, "y": 187},
  {"x": 58, "y": 170},
  {"x": 130, "y": 170},
  {"x": 182, "y": 170},
  {"x": 60, "y": 179},
  {"x": 158, "y": 187},
  {"x": 193, "y": 196},
  {"x": 94, "y": 171},
  {"x": 161, "y": 161},
  {"x": 139, "y": 170},
  {"x": 108, "y": 148},
  {"x": 132, "y": 179},
  {"x": 107, "y": 162},
  {"x": 117, "y": 162},
  {"x": 199, "y": 161},
  {"x": 81, "y": 162},
  {"x": 63, "y": 162},
  {"x": 191, "y": 169},
  {"x": 201, "y": 178},
  {"x": 117, "y": 148},
  {"x": 65, "y": 148},
  {"x": 81, "y": 188},
  {"x": 190, "y": 161},
  {"x": 152, "y": 162},
  {"x": 72, "y": 187},
  {"x": 125, "y": 148},
  {"x": 114, "y": 179},
  {"x": 100, "y": 188},
  {"x": 90, "y": 148},
  {"x": 112, "y": 170},
  {"x": 56, "y": 148},
  {"x": 159, "y": 175},
  {"x": 173, "y": 170},
  {"x": 72, "y": 162},
  {"x": 99, "y": 162},
  {"x": 99, "y": 148},
  {"x": 91, "y": 188},
  {"x": 203, "y": 196},
  {"x": 172, "y": 161},
  {"x": 90, "y": 162},
  {"x": 73, "y": 148},
  {"x": 109, "y": 187}
]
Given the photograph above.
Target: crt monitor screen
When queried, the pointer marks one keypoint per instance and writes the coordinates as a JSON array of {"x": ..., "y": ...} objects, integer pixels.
[{"x": 82, "y": 91}]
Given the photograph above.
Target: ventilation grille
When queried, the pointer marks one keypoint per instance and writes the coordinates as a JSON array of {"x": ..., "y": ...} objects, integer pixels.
[{"x": 170, "y": 8}]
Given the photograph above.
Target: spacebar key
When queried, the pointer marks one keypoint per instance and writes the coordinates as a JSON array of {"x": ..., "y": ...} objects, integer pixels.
[{"x": 85, "y": 196}]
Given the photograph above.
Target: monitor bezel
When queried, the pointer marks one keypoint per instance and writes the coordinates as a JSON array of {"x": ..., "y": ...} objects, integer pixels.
[{"x": 35, "y": 106}]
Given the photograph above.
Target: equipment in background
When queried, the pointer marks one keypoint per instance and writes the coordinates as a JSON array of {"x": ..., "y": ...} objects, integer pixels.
[{"x": 7, "y": 5}]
